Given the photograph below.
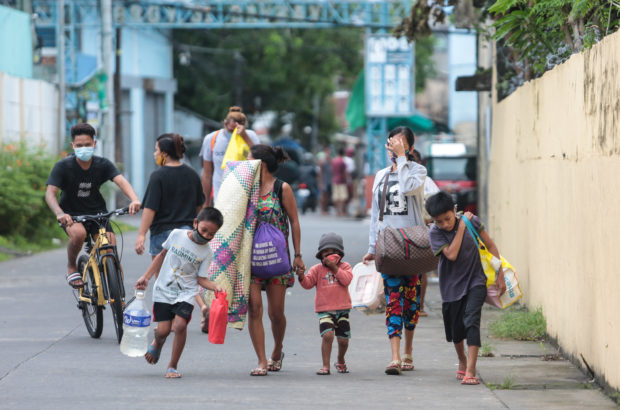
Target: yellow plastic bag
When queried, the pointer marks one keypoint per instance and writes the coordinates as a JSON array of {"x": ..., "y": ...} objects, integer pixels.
[
  {"x": 237, "y": 149},
  {"x": 491, "y": 265},
  {"x": 513, "y": 289}
]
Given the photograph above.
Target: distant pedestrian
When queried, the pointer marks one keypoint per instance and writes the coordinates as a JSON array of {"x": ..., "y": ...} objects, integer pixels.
[
  {"x": 332, "y": 301},
  {"x": 180, "y": 267},
  {"x": 214, "y": 147},
  {"x": 462, "y": 282},
  {"x": 340, "y": 193},
  {"x": 403, "y": 208},
  {"x": 349, "y": 162},
  {"x": 325, "y": 180}
]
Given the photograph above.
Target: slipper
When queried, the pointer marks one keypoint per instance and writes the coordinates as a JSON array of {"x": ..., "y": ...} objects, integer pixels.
[
  {"x": 275, "y": 365},
  {"x": 154, "y": 353},
  {"x": 341, "y": 367},
  {"x": 460, "y": 374},
  {"x": 393, "y": 368},
  {"x": 323, "y": 371},
  {"x": 204, "y": 323},
  {"x": 73, "y": 278},
  {"x": 470, "y": 380},
  {"x": 406, "y": 366},
  {"x": 259, "y": 371},
  {"x": 172, "y": 373}
]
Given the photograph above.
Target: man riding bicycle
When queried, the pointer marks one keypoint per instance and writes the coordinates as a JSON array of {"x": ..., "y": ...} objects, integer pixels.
[{"x": 79, "y": 177}]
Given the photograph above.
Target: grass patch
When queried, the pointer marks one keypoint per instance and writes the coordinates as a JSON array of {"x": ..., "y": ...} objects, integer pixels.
[
  {"x": 520, "y": 324},
  {"x": 486, "y": 350},
  {"x": 507, "y": 384}
]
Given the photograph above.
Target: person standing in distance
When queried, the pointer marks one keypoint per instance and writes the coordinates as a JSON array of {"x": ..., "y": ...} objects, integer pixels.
[
  {"x": 214, "y": 147},
  {"x": 79, "y": 177}
]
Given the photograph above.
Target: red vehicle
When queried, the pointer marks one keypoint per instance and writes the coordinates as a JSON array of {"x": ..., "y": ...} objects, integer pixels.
[{"x": 454, "y": 170}]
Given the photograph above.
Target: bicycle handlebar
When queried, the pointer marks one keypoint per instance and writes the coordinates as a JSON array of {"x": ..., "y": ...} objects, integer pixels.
[{"x": 97, "y": 217}]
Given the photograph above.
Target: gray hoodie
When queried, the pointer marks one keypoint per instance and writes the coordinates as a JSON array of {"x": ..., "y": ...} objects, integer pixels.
[{"x": 404, "y": 198}]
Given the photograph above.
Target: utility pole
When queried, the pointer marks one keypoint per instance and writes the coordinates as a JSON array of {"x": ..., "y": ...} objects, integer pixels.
[
  {"x": 118, "y": 96},
  {"x": 107, "y": 117},
  {"x": 60, "y": 68}
]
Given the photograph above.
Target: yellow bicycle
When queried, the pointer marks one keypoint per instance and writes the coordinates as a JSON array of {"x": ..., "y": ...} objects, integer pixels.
[{"x": 102, "y": 276}]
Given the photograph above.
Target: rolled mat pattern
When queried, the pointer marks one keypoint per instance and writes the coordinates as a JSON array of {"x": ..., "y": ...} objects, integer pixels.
[{"x": 237, "y": 199}]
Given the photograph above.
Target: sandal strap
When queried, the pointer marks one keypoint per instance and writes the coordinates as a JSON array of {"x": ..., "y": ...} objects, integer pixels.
[{"x": 73, "y": 276}]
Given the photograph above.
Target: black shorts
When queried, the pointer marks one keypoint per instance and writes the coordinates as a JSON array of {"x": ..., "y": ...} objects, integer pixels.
[
  {"x": 162, "y": 312},
  {"x": 92, "y": 227},
  {"x": 461, "y": 319}
]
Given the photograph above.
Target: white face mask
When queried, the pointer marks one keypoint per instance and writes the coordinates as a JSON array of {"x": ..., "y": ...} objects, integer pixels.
[{"x": 84, "y": 153}]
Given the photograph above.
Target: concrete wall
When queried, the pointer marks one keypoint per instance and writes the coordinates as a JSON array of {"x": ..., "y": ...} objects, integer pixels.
[
  {"x": 553, "y": 200},
  {"x": 28, "y": 111}
]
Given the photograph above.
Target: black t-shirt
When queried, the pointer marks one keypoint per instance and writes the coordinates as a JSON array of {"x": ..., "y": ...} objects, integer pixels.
[
  {"x": 174, "y": 193},
  {"x": 80, "y": 188}
]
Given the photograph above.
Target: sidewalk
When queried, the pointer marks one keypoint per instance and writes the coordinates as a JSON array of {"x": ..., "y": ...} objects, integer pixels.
[{"x": 532, "y": 381}]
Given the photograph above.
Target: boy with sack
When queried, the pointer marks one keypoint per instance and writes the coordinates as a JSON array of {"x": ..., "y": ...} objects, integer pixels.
[
  {"x": 462, "y": 282},
  {"x": 332, "y": 302}
]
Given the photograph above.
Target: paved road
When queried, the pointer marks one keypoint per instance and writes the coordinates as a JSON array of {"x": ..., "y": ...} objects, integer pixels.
[{"x": 47, "y": 359}]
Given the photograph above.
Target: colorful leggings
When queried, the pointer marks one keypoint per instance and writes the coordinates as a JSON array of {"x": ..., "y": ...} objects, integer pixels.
[{"x": 402, "y": 296}]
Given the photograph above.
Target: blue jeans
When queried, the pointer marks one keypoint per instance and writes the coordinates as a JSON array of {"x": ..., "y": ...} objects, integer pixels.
[{"x": 157, "y": 240}]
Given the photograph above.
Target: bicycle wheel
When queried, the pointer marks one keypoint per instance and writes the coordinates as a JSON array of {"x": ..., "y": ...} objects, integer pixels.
[
  {"x": 116, "y": 294},
  {"x": 91, "y": 312}
]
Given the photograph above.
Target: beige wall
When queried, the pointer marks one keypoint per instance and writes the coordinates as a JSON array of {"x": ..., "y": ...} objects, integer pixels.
[{"x": 554, "y": 200}]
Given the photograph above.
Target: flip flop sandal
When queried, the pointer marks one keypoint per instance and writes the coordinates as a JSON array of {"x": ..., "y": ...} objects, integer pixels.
[
  {"x": 323, "y": 371},
  {"x": 460, "y": 375},
  {"x": 341, "y": 367},
  {"x": 407, "y": 366},
  {"x": 275, "y": 365},
  {"x": 154, "y": 352},
  {"x": 172, "y": 374},
  {"x": 470, "y": 381},
  {"x": 393, "y": 368},
  {"x": 74, "y": 277},
  {"x": 423, "y": 313},
  {"x": 259, "y": 371}
]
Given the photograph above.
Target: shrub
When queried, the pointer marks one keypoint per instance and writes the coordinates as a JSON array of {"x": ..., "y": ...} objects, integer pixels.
[{"x": 23, "y": 173}]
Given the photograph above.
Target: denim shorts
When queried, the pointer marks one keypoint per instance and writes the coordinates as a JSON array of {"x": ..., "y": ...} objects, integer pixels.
[{"x": 157, "y": 240}]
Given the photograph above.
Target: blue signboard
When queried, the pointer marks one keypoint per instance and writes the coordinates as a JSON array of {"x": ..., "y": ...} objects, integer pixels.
[{"x": 389, "y": 76}]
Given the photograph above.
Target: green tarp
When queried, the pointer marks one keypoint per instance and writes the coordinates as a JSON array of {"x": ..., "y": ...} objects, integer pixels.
[{"x": 356, "y": 114}]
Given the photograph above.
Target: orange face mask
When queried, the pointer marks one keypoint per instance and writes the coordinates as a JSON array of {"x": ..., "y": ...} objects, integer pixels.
[{"x": 161, "y": 160}]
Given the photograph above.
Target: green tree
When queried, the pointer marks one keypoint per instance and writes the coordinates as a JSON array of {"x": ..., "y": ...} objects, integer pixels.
[
  {"x": 280, "y": 70},
  {"x": 533, "y": 35}
]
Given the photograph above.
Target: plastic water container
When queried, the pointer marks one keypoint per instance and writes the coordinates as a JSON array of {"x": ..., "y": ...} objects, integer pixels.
[
  {"x": 366, "y": 289},
  {"x": 136, "y": 323}
]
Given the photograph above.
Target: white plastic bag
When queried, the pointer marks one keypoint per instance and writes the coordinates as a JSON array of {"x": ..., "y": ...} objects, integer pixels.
[{"x": 366, "y": 289}]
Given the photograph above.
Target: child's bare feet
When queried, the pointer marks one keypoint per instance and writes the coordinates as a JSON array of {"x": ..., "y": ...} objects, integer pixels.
[{"x": 152, "y": 354}]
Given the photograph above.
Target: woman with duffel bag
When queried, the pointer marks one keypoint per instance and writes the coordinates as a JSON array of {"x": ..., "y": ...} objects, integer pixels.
[{"x": 398, "y": 243}]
